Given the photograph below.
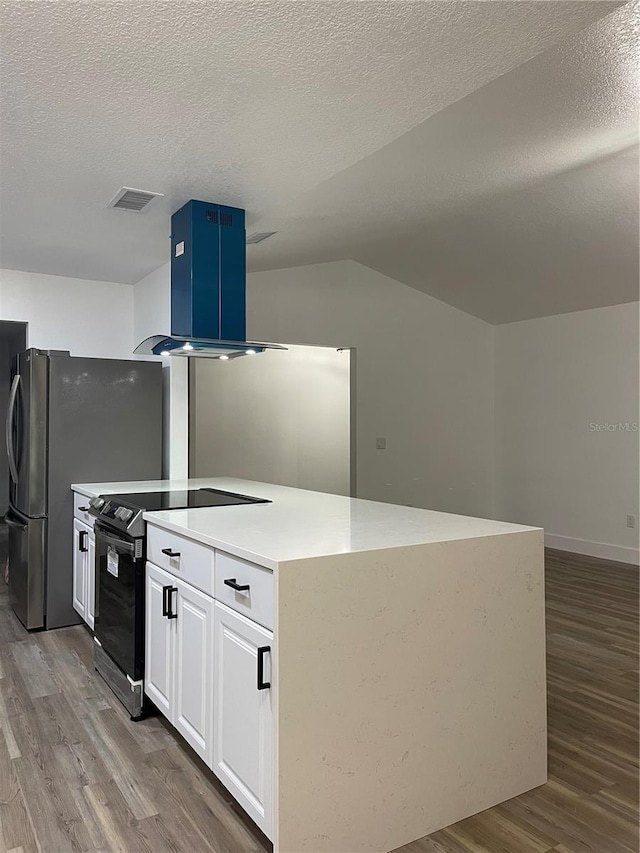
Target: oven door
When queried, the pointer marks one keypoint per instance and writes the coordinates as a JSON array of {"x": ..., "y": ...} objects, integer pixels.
[{"x": 119, "y": 617}]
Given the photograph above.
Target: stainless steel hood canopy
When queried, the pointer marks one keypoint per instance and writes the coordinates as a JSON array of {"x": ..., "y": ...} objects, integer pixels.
[{"x": 208, "y": 286}]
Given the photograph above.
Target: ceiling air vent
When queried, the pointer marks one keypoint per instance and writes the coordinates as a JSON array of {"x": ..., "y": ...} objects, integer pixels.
[
  {"x": 259, "y": 236},
  {"x": 136, "y": 201}
]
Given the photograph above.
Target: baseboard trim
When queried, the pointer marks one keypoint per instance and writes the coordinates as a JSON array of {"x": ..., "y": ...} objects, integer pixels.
[{"x": 617, "y": 553}]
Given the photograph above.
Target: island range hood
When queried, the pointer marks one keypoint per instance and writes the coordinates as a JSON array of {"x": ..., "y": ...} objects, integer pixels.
[{"x": 208, "y": 286}]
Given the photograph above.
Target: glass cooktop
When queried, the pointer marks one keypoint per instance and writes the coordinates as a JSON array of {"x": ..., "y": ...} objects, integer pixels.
[{"x": 182, "y": 499}]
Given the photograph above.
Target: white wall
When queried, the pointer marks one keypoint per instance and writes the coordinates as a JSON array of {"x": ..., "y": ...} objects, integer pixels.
[
  {"x": 89, "y": 318},
  {"x": 556, "y": 378},
  {"x": 152, "y": 304},
  {"x": 424, "y": 375},
  {"x": 282, "y": 417},
  {"x": 152, "y": 316},
  {"x": 424, "y": 378}
]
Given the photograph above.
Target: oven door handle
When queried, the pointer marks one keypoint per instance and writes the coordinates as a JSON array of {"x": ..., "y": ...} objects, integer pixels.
[{"x": 119, "y": 544}]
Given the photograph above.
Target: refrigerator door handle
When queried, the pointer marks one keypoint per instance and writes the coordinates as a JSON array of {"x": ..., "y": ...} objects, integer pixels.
[
  {"x": 11, "y": 522},
  {"x": 13, "y": 396}
]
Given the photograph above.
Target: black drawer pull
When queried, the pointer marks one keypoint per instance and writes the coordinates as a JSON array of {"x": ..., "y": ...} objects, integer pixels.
[
  {"x": 262, "y": 684},
  {"x": 170, "y": 553},
  {"x": 166, "y": 601},
  {"x": 83, "y": 508},
  {"x": 82, "y": 541},
  {"x": 239, "y": 587}
]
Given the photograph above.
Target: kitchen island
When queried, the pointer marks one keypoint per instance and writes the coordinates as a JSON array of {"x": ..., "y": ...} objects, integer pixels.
[{"x": 357, "y": 674}]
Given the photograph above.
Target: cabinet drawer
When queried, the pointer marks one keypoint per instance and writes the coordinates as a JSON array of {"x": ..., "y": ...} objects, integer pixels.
[
  {"x": 256, "y": 602},
  {"x": 193, "y": 563},
  {"x": 78, "y": 502}
]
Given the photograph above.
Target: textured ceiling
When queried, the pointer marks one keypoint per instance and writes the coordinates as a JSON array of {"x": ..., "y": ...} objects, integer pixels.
[
  {"x": 518, "y": 201},
  {"x": 344, "y": 124}
]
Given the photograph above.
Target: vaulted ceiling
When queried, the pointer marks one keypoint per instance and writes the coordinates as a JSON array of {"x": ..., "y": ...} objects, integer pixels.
[{"x": 484, "y": 152}]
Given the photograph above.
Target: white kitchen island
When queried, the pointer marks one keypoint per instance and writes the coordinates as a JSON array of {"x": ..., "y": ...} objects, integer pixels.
[{"x": 402, "y": 659}]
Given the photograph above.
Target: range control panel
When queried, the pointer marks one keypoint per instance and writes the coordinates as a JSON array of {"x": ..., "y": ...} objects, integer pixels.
[{"x": 118, "y": 515}]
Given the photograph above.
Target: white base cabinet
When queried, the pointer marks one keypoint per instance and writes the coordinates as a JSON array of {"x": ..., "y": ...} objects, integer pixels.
[
  {"x": 159, "y": 657},
  {"x": 80, "y": 535},
  {"x": 208, "y": 669},
  {"x": 179, "y": 656},
  {"x": 193, "y": 668},
  {"x": 84, "y": 571},
  {"x": 242, "y": 714}
]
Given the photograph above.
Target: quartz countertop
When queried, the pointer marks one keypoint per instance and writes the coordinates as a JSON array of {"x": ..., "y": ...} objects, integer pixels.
[{"x": 301, "y": 524}]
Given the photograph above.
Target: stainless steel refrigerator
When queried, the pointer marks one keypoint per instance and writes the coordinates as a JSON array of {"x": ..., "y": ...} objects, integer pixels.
[{"x": 70, "y": 420}]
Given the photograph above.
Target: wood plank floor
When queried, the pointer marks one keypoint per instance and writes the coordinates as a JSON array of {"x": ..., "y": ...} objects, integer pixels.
[{"x": 77, "y": 775}]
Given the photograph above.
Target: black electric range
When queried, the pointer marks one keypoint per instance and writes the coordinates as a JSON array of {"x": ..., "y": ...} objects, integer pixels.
[{"x": 120, "y": 559}]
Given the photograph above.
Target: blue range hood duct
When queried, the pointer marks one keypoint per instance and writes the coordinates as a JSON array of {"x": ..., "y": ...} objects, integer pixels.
[{"x": 208, "y": 286}]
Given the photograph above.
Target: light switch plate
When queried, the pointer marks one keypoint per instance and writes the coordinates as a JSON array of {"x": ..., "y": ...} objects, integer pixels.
[{"x": 381, "y": 443}]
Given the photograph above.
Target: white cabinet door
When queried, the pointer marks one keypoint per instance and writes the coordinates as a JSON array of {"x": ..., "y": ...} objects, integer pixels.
[
  {"x": 193, "y": 668},
  {"x": 243, "y": 730},
  {"x": 80, "y": 552},
  {"x": 91, "y": 580},
  {"x": 159, "y": 640}
]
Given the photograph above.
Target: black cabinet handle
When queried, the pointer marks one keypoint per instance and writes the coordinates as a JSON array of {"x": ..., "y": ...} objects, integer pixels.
[
  {"x": 262, "y": 684},
  {"x": 82, "y": 539},
  {"x": 239, "y": 587},
  {"x": 166, "y": 601},
  {"x": 83, "y": 508},
  {"x": 170, "y": 553},
  {"x": 173, "y": 614},
  {"x": 166, "y": 590}
]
